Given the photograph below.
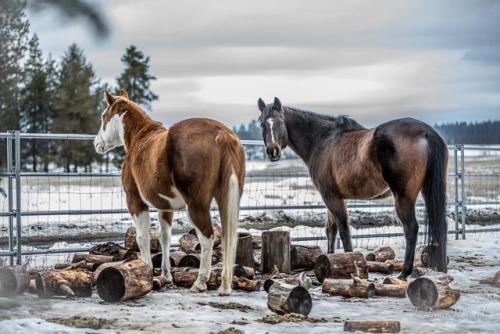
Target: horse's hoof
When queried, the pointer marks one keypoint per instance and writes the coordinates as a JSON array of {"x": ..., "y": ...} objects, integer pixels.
[
  {"x": 198, "y": 287},
  {"x": 224, "y": 291}
]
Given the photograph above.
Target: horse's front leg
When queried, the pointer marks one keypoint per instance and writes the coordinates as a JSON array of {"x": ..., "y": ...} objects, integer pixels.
[
  {"x": 338, "y": 211},
  {"x": 165, "y": 233},
  {"x": 200, "y": 219},
  {"x": 405, "y": 209},
  {"x": 331, "y": 232}
]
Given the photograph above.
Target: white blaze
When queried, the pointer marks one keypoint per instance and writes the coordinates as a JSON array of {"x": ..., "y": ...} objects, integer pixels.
[{"x": 271, "y": 123}]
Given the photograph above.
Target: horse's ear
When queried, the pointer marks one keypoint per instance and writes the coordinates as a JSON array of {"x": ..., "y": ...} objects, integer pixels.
[
  {"x": 109, "y": 98},
  {"x": 277, "y": 104},
  {"x": 262, "y": 105},
  {"x": 123, "y": 93}
]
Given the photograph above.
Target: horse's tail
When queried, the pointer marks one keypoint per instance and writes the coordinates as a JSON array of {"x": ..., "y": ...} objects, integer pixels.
[
  {"x": 434, "y": 193},
  {"x": 232, "y": 175}
]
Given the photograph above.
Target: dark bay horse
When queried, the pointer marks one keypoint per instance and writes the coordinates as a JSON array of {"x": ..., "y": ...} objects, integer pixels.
[
  {"x": 347, "y": 161},
  {"x": 187, "y": 165}
]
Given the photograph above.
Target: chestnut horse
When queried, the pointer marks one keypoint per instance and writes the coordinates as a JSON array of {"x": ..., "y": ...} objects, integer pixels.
[
  {"x": 187, "y": 165},
  {"x": 347, "y": 161}
]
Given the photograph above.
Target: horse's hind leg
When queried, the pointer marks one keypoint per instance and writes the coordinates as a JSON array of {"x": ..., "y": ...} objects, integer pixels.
[
  {"x": 142, "y": 224},
  {"x": 405, "y": 209},
  {"x": 199, "y": 217},
  {"x": 165, "y": 234},
  {"x": 339, "y": 214},
  {"x": 331, "y": 232}
]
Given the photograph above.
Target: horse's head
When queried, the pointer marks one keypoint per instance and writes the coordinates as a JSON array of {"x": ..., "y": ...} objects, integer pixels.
[
  {"x": 272, "y": 121},
  {"x": 111, "y": 132}
]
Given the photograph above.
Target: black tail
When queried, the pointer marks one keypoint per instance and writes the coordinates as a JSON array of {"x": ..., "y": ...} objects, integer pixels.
[{"x": 434, "y": 193}]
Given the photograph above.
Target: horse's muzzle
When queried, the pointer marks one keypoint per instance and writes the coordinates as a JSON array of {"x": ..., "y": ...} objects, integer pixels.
[{"x": 274, "y": 153}]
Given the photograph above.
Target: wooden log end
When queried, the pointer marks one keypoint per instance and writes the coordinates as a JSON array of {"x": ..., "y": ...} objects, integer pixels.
[
  {"x": 299, "y": 301},
  {"x": 372, "y": 326}
]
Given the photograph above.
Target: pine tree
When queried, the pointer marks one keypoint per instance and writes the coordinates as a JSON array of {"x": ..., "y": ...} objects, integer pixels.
[
  {"x": 76, "y": 109},
  {"x": 135, "y": 79}
]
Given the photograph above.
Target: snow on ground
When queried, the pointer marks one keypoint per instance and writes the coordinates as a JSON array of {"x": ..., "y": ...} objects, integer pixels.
[{"x": 180, "y": 311}]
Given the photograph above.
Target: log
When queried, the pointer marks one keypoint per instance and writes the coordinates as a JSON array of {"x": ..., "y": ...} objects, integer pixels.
[
  {"x": 348, "y": 288},
  {"x": 239, "y": 271},
  {"x": 380, "y": 267},
  {"x": 32, "y": 287},
  {"x": 381, "y": 255},
  {"x": 131, "y": 242},
  {"x": 372, "y": 326},
  {"x": 275, "y": 251},
  {"x": 75, "y": 282},
  {"x": 301, "y": 280},
  {"x": 284, "y": 298},
  {"x": 396, "y": 264},
  {"x": 82, "y": 264},
  {"x": 186, "y": 278},
  {"x": 118, "y": 252},
  {"x": 14, "y": 280},
  {"x": 422, "y": 257},
  {"x": 190, "y": 260},
  {"x": 394, "y": 280},
  {"x": 492, "y": 281},
  {"x": 341, "y": 265},
  {"x": 432, "y": 292},
  {"x": 124, "y": 280},
  {"x": 77, "y": 257},
  {"x": 391, "y": 290},
  {"x": 244, "y": 284},
  {"x": 304, "y": 257},
  {"x": 175, "y": 257},
  {"x": 244, "y": 251},
  {"x": 159, "y": 282},
  {"x": 189, "y": 243}
]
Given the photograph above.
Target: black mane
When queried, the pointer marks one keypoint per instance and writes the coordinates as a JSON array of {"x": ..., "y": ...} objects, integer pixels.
[{"x": 343, "y": 121}]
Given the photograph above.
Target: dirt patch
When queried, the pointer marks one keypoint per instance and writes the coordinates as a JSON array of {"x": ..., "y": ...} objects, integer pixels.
[
  {"x": 291, "y": 317},
  {"x": 228, "y": 306},
  {"x": 83, "y": 322},
  {"x": 231, "y": 330}
]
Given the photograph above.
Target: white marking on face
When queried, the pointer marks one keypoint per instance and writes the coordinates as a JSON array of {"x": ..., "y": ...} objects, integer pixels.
[
  {"x": 177, "y": 201},
  {"x": 271, "y": 123},
  {"x": 112, "y": 136}
]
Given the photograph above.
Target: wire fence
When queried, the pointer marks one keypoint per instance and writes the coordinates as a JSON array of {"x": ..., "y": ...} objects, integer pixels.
[{"x": 47, "y": 216}]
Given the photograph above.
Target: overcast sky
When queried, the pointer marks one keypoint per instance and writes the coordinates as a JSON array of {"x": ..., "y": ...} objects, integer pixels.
[{"x": 435, "y": 60}]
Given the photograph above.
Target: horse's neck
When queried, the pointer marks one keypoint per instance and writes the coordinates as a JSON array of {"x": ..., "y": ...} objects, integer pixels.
[
  {"x": 304, "y": 133},
  {"x": 138, "y": 125}
]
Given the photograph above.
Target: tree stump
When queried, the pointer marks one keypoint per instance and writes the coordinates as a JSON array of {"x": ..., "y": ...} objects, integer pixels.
[
  {"x": 284, "y": 298},
  {"x": 14, "y": 280},
  {"x": 372, "y": 326},
  {"x": 131, "y": 242},
  {"x": 124, "y": 280},
  {"x": 396, "y": 264},
  {"x": 492, "y": 281},
  {"x": 275, "y": 251},
  {"x": 304, "y": 257},
  {"x": 381, "y": 255},
  {"x": 118, "y": 252},
  {"x": 244, "y": 251},
  {"x": 380, "y": 267},
  {"x": 348, "y": 288},
  {"x": 341, "y": 265},
  {"x": 432, "y": 292},
  {"x": 189, "y": 243},
  {"x": 74, "y": 282}
]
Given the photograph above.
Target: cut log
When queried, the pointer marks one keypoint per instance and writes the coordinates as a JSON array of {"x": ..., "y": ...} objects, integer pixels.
[
  {"x": 75, "y": 282},
  {"x": 380, "y": 267},
  {"x": 32, "y": 287},
  {"x": 275, "y": 251},
  {"x": 304, "y": 257},
  {"x": 396, "y": 264},
  {"x": 492, "y": 281},
  {"x": 159, "y": 282},
  {"x": 348, "y": 288},
  {"x": 217, "y": 235},
  {"x": 131, "y": 242},
  {"x": 189, "y": 243},
  {"x": 372, "y": 326},
  {"x": 238, "y": 270},
  {"x": 394, "y": 280},
  {"x": 190, "y": 260},
  {"x": 432, "y": 292},
  {"x": 284, "y": 298},
  {"x": 186, "y": 278},
  {"x": 175, "y": 257},
  {"x": 14, "y": 280},
  {"x": 244, "y": 284},
  {"x": 118, "y": 252},
  {"x": 82, "y": 264},
  {"x": 381, "y": 255},
  {"x": 341, "y": 265},
  {"x": 244, "y": 251},
  {"x": 124, "y": 280},
  {"x": 77, "y": 257},
  {"x": 391, "y": 290},
  {"x": 422, "y": 257},
  {"x": 301, "y": 280}
]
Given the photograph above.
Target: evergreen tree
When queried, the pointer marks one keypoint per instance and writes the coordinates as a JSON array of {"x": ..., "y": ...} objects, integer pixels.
[
  {"x": 135, "y": 79},
  {"x": 36, "y": 103},
  {"x": 76, "y": 109},
  {"x": 13, "y": 39}
]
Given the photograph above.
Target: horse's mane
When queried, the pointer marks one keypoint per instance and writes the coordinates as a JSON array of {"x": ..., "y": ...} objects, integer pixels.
[
  {"x": 139, "y": 111},
  {"x": 344, "y": 121}
]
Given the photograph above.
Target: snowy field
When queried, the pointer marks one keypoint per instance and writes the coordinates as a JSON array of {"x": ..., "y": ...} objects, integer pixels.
[{"x": 180, "y": 311}]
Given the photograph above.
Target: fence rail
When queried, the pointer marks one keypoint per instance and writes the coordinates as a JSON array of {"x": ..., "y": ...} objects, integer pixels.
[{"x": 52, "y": 201}]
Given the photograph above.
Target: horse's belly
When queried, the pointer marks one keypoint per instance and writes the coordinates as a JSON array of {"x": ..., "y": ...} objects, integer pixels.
[{"x": 171, "y": 200}]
